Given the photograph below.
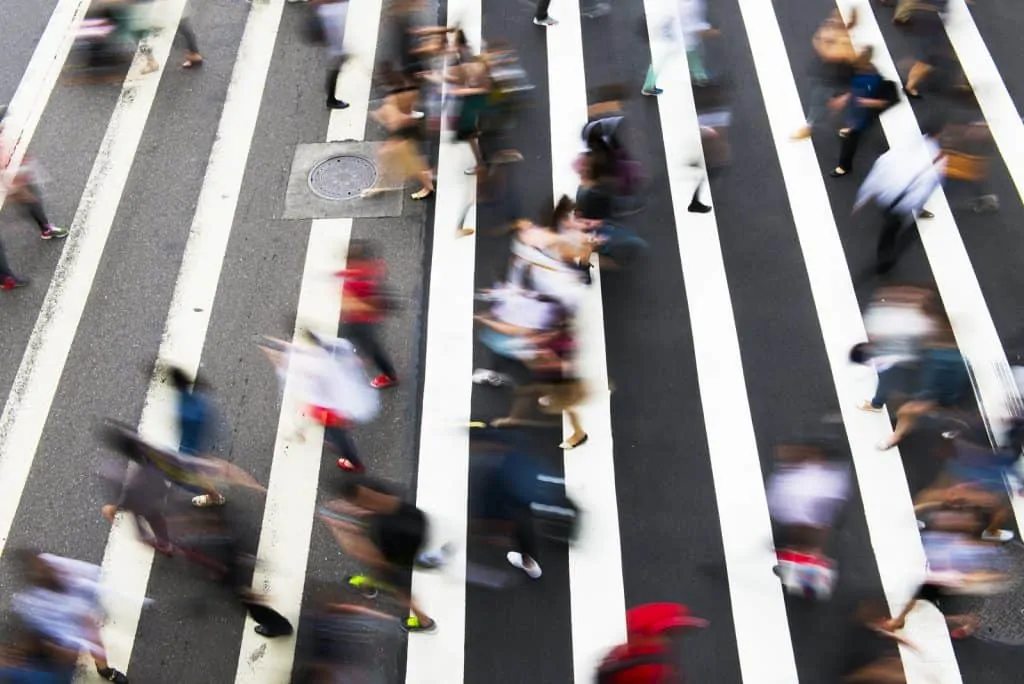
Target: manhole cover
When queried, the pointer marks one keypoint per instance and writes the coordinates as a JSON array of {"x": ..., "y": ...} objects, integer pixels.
[
  {"x": 1002, "y": 616},
  {"x": 342, "y": 177}
]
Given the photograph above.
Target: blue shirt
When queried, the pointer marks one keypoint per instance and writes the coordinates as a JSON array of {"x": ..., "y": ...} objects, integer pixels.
[
  {"x": 862, "y": 85},
  {"x": 195, "y": 416}
]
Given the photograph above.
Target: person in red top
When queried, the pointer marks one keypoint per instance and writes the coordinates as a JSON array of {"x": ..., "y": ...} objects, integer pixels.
[
  {"x": 646, "y": 657},
  {"x": 363, "y": 308},
  {"x": 22, "y": 185}
]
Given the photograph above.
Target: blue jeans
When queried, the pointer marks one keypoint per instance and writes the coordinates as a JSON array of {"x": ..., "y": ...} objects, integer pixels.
[
  {"x": 887, "y": 382},
  {"x": 620, "y": 245}
]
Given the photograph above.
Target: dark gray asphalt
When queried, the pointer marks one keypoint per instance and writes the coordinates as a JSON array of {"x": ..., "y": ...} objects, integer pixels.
[{"x": 671, "y": 542}]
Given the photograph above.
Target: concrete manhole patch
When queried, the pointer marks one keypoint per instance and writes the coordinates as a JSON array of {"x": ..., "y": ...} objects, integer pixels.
[{"x": 327, "y": 180}]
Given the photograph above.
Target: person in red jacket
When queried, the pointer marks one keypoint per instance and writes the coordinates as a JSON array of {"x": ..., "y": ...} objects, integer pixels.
[
  {"x": 364, "y": 306},
  {"x": 646, "y": 657}
]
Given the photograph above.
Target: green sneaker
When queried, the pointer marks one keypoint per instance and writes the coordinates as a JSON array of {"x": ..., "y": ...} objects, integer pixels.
[
  {"x": 364, "y": 584},
  {"x": 53, "y": 233},
  {"x": 413, "y": 624}
]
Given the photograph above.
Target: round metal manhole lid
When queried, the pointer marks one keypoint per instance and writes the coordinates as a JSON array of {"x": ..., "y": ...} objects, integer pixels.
[
  {"x": 1002, "y": 616},
  {"x": 342, "y": 177}
]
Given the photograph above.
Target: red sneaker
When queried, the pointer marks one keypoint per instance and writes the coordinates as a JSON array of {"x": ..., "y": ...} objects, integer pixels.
[
  {"x": 11, "y": 283},
  {"x": 383, "y": 382},
  {"x": 349, "y": 466}
]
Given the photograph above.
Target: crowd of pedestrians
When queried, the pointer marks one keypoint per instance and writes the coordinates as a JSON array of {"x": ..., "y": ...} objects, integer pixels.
[{"x": 528, "y": 324}]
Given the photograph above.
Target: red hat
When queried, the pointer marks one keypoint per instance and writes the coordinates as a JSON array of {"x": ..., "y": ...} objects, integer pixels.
[{"x": 652, "y": 619}]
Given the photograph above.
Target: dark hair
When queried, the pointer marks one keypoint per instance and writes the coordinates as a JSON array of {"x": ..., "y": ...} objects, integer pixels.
[
  {"x": 562, "y": 211},
  {"x": 179, "y": 378},
  {"x": 860, "y": 352}
]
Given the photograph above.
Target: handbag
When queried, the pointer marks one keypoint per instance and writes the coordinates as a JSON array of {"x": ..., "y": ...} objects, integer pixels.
[
  {"x": 313, "y": 29},
  {"x": 888, "y": 91}
]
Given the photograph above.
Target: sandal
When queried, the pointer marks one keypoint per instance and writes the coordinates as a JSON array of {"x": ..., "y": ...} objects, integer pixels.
[
  {"x": 207, "y": 501},
  {"x": 422, "y": 193},
  {"x": 568, "y": 446}
]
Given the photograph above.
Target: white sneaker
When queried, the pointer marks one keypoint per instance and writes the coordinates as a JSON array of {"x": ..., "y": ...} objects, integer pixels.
[
  {"x": 515, "y": 559},
  {"x": 416, "y": 114},
  {"x": 1002, "y": 536}
]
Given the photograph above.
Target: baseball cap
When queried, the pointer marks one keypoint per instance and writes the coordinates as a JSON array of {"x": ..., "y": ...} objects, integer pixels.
[{"x": 652, "y": 619}]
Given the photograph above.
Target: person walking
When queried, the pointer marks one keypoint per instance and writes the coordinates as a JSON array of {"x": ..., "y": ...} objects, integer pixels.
[
  {"x": 380, "y": 529},
  {"x": 869, "y": 96},
  {"x": 195, "y": 425},
  {"x": 22, "y": 183},
  {"x": 831, "y": 69},
  {"x": 331, "y": 381},
  {"x": 900, "y": 189},
  {"x": 647, "y": 654},
  {"x": 332, "y": 14},
  {"x": 363, "y": 308},
  {"x": 63, "y": 606},
  {"x": 688, "y": 24}
]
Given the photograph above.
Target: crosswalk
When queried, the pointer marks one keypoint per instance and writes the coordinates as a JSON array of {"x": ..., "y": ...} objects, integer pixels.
[{"x": 732, "y": 337}]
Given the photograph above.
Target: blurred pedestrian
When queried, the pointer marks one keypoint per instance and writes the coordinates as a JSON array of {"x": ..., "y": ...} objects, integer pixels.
[
  {"x": 869, "y": 96},
  {"x": 685, "y": 24},
  {"x": 899, "y": 188},
  {"x": 924, "y": 21},
  {"x": 364, "y": 305},
  {"x": 142, "y": 493},
  {"x": 400, "y": 155},
  {"x": 831, "y": 69},
  {"x": 62, "y": 606},
  {"x": 332, "y": 15},
  {"x": 23, "y": 182},
  {"x": 943, "y": 384},
  {"x": 386, "y": 533},
  {"x": 196, "y": 425},
  {"x": 647, "y": 655},
  {"x": 331, "y": 382}
]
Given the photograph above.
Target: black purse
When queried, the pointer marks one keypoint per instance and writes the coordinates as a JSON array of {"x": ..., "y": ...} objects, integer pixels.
[{"x": 313, "y": 30}]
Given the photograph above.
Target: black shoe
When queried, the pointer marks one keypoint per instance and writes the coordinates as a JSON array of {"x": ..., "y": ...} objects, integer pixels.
[
  {"x": 698, "y": 207},
  {"x": 112, "y": 675},
  {"x": 335, "y": 103},
  {"x": 270, "y": 633}
]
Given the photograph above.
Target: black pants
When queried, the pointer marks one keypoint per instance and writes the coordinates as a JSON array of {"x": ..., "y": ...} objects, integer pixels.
[
  {"x": 848, "y": 148},
  {"x": 542, "y": 9},
  {"x": 5, "y": 268},
  {"x": 889, "y": 245},
  {"x": 331, "y": 83},
  {"x": 188, "y": 36},
  {"x": 34, "y": 208},
  {"x": 364, "y": 336},
  {"x": 339, "y": 438}
]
